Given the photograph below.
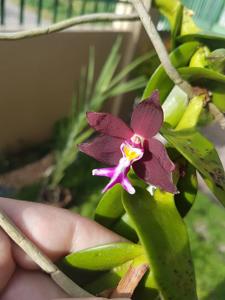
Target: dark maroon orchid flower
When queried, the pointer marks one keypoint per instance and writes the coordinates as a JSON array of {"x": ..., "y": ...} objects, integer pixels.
[{"x": 123, "y": 147}]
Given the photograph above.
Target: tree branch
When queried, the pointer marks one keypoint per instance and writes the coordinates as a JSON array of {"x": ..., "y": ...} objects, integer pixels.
[
  {"x": 160, "y": 48},
  {"x": 90, "y": 18},
  {"x": 40, "y": 259}
]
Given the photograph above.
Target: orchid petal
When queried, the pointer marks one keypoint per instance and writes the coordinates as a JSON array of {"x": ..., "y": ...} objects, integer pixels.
[
  {"x": 109, "y": 124},
  {"x": 159, "y": 151},
  {"x": 147, "y": 117},
  {"x": 128, "y": 186},
  {"x": 105, "y": 149},
  {"x": 107, "y": 172},
  {"x": 150, "y": 170}
]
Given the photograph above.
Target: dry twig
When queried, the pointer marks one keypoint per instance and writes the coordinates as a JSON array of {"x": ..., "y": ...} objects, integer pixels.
[
  {"x": 90, "y": 18},
  {"x": 130, "y": 281}
]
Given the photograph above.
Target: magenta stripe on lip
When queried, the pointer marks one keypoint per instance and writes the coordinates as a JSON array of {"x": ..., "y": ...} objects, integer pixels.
[{"x": 118, "y": 174}]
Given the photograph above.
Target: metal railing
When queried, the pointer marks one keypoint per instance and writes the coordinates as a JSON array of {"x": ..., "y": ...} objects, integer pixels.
[{"x": 55, "y": 10}]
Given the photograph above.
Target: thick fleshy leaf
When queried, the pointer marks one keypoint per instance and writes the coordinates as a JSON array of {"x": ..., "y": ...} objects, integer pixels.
[
  {"x": 109, "y": 125},
  {"x": 187, "y": 186},
  {"x": 174, "y": 106},
  {"x": 105, "y": 149},
  {"x": 147, "y": 116},
  {"x": 159, "y": 151},
  {"x": 159, "y": 80},
  {"x": 164, "y": 236},
  {"x": 125, "y": 228},
  {"x": 109, "y": 280},
  {"x": 209, "y": 79},
  {"x": 104, "y": 257},
  {"x": 147, "y": 288},
  {"x": 200, "y": 74},
  {"x": 218, "y": 92},
  {"x": 175, "y": 30},
  {"x": 187, "y": 183},
  {"x": 201, "y": 153},
  {"x": 151, "y": 171},
  {"x": 192, "y": 113},
  {"x": 110, "y": 207},
  {"x": 214, "y": 41}
]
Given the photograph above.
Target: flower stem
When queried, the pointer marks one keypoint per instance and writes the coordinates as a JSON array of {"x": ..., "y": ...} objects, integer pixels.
[
  {"x": 217, "y": 114},
  {"x": 160, "y": 48}
]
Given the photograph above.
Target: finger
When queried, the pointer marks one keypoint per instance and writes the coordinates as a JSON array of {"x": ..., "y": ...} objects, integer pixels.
[
  {"x": 35, "y": 285},
  {"x": 7, "y": 265},
  {"x": 55, "y": 231}
]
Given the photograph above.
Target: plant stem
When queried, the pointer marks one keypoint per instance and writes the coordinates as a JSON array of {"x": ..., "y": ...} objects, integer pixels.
[
  {"x": 217, "y": 114},
  {"x": 160, "y": 48},
  {"x": 90, "y": 18},
  {"x": 130, "y": 281},
  {"x": 40, "y": 259}
]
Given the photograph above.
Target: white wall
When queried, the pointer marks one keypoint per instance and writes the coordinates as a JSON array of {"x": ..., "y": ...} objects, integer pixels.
[{"x": 37, "y": 80}]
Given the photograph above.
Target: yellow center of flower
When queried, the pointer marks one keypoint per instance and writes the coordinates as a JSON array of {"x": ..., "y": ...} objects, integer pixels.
[{"x": 131, "y": 153}]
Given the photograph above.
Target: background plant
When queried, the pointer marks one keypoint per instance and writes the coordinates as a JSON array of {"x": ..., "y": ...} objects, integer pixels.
[{"x": 91, "y": 97}]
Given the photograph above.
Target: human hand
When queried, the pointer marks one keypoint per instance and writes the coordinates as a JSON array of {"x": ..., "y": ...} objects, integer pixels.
[{"x": 56, "y": 232}]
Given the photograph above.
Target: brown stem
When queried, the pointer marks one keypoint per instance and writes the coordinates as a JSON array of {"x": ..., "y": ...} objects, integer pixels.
[{"x": 129, "y": 282}]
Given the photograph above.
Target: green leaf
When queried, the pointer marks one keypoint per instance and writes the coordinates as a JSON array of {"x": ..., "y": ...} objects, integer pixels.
[
  {"x": 164, "y": 236},
  {"x": 198, "y": 74},
  {"x": 188, "y": 25},
  {"x": 127, "y": 86},
  {"x": 187, "y": 186},
  {"x": 218, "y": 95},
  {"x": 147, "y": 289},
  {"x": 104, "y": 257},
  {"x": 199, "y": 59},
  {"x": 107, "y": 280},
  {"x": 159, "y": 80},
  {"x": 174, "y": 106},
  {"x": 213, "y": 41},
  {"x": 125, "y": 228},
  {"x": 129, "y": 68},
  {"x": 110, "y": 207},
  {"x": 168, "y": 9},
  {"x": 109, "y": 68},
  {"x": 187, "y": 183},
  {"x": 90, "y": 75},
  {"x": 216, "y": 60},
  {"x": 201, "y": 153},
  {"x": 177, "y": 25},
  {"x": 192, "y": 113}
]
